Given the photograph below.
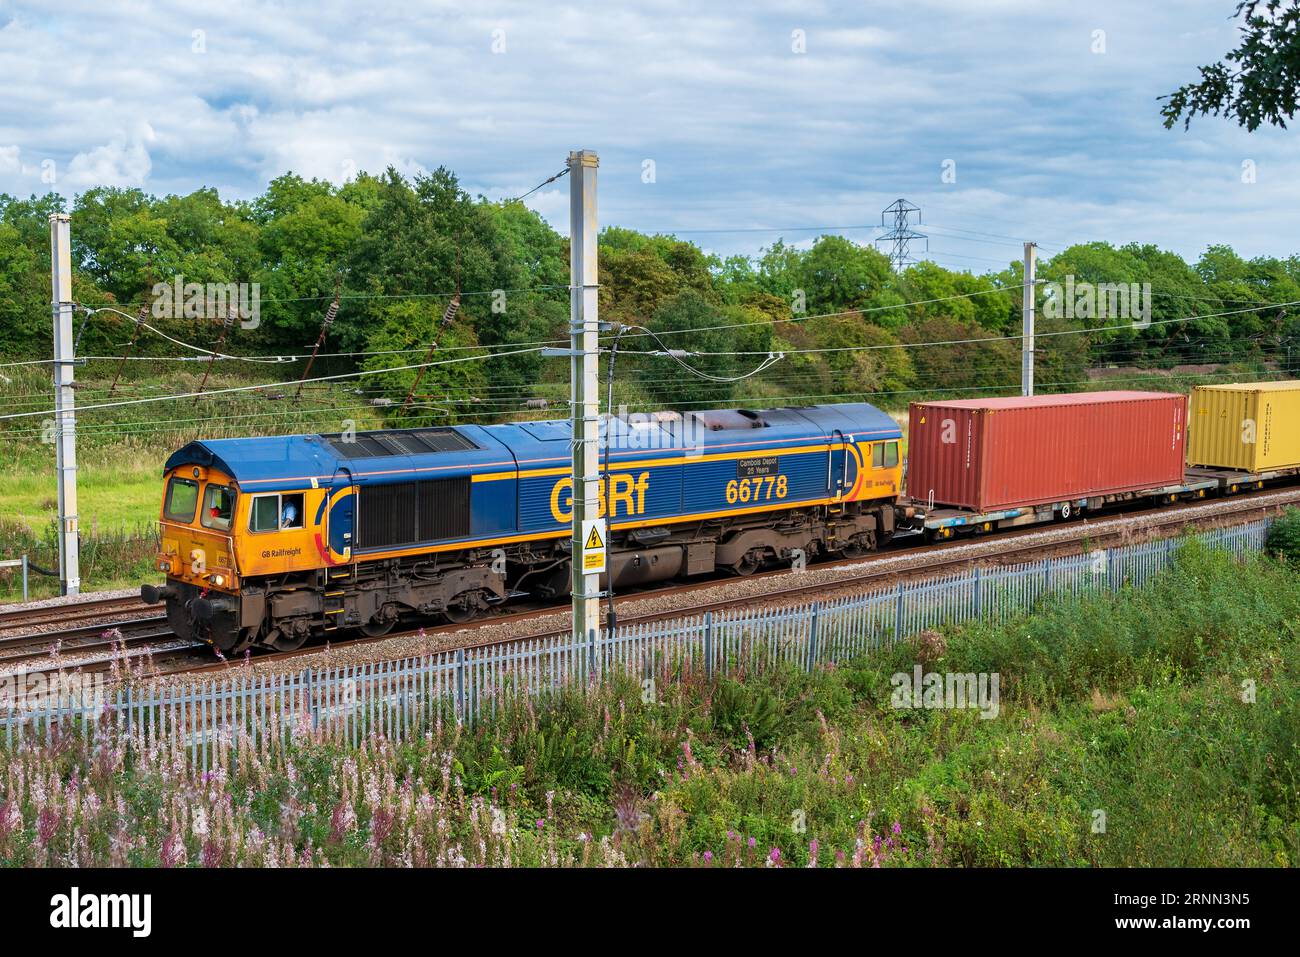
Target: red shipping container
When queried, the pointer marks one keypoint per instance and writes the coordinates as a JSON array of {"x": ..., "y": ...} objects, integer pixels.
[{"x": 988, "y": 454}]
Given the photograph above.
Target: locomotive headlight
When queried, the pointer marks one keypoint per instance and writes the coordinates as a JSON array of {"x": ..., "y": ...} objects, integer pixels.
[
  {"x": 218, "y": 580},
  {"x": 164, "y": 565}
]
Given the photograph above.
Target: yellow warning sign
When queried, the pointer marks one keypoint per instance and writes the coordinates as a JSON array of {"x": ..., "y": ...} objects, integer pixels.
[{"x": 593, "y": 546}]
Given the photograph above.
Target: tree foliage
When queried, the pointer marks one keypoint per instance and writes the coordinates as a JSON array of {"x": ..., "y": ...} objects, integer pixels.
[
  {"x": 1258, "y": 82},
  {"x": 396, "y": 249}
]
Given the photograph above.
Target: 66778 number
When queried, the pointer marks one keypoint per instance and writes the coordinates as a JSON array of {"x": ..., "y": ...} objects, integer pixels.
[{"x": 759, "y": 489}]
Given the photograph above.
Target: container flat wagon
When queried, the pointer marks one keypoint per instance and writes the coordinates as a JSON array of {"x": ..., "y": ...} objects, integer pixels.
[
  {"x": 1244, "y": 435},
  {"x": 982, "y": 464}
]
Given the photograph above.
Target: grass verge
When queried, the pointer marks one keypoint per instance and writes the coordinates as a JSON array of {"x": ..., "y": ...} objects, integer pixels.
[{"x": 1153, "y": 727}]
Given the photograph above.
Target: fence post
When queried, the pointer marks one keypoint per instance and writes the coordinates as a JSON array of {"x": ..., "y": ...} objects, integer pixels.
[
  {"x": 708, "y": 646},
  {"x": 130, "y": 709},
  {"x": 979, "y": 592},
  {"x": 311, "y": 699},
  {"x": 460, "y": 685},
  {"x": 898, "y": 614},
  {"x": 1047, "y": 576},
  {"x": 812, "y": 637},
  {"x": 24, "y": 576}
]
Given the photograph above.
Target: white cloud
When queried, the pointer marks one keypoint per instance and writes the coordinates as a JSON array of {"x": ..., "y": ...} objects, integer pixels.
[
  {"x": 1049, "y": 139},
  {"x": 114, "y": 164}
]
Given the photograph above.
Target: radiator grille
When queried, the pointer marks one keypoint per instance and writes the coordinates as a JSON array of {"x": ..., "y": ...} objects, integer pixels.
[{"x": 408, "y": 513}]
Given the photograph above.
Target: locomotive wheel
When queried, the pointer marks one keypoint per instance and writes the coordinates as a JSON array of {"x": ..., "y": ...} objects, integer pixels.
[
  {"x": 377, "y": 629},
  {"x": 747, "y": 565},
  {"x": 860, "y": 546},
  {"x": 463, "y": 608},
  {"x": 283, "y": 642},
  {"x": 381, "y": 623}
]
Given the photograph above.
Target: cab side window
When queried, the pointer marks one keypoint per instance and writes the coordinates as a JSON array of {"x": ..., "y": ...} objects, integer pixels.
[
  {"x": 272, "y": 512},
  {"x": 891, "y": 455},
  {"x": 265, "y": 514},
  {"x": 878, "y": 455},
  {"x": 291, "y": 510}
]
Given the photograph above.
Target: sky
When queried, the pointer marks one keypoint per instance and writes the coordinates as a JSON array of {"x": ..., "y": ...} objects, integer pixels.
[{"x": 732, "y": 125}]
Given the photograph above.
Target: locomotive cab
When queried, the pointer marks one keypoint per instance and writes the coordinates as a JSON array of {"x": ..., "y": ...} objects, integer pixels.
[
  {"x": 232, "y": 547},
  {"x": 198, "y": 554}
]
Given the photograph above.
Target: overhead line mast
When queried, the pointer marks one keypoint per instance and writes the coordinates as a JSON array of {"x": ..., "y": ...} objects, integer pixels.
[
  {"x": 1027, "y": 322},
  {"x": 65, "y": 416},
  {"x": 584, "y": 328}
]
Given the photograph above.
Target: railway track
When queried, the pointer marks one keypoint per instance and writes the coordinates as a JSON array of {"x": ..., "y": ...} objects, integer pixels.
[
  {"x": 146, "y": 639},
  {"x": 89, "y": 638},
  {"x": 94, "y": 610},
  {"x": 882, "y": 566}
]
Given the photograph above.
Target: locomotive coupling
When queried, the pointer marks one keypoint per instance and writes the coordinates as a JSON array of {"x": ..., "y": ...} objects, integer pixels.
[{"x": 152, "y": 594}]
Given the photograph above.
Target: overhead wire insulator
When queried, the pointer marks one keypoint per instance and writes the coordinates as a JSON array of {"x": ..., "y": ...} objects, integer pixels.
[
  {"x": 452, "y": 308},
  {"x": 328, "y": 321},
  {"x": 135, "y": 334},
  {"x": 221, "y": 340}
]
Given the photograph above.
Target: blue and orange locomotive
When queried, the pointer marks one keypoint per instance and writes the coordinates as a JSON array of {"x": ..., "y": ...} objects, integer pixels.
[{"x": 269, "y": 541}]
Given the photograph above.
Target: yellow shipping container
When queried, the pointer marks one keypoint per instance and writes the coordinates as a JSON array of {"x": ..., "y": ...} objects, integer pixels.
[{"x": 1248, "y": 427}]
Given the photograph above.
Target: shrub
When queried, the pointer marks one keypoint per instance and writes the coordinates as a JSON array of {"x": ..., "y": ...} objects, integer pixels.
[{"x": 1284, "y": 537}]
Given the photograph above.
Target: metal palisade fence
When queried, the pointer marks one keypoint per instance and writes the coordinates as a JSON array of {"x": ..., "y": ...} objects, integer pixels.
[{"x": 216, "y": 721}]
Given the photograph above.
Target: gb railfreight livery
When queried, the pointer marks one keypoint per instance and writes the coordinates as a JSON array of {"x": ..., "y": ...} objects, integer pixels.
[
  {"x": 270, "y": 541},
  {"x": 267, "y": 541}
]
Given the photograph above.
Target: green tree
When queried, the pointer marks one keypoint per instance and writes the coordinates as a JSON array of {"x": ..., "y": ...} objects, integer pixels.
[
  {"x": 838, "y": 275},
  {"x": 307, "y": 232},
  {"x": 862, "y": 357},
  {"x": 1258, "y": 82},
  {"x": 960, "y": 359},
  {"x": 446, "y": 393},
  {"x": 24, "y": 295},
  {"x": 425, "y": 239}
]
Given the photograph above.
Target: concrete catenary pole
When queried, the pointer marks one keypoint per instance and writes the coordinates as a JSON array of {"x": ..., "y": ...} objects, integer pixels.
[
  {"x": 584, "y": 387},
  {"x": 65, "y": 415},
  {"x": 1027, "y": 319}
]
